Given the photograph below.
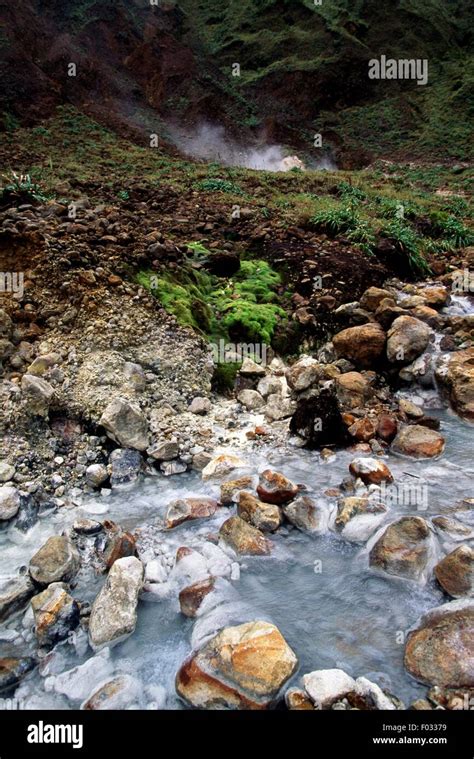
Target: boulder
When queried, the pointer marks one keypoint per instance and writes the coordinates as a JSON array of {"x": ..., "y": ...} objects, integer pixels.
[
  {"x": 242, "y": 667},
  {"x": 114, "y": 611},
  {"x": 350, "y": 507},
  {"x": 9, "y": 502},
  {"x": 363, "y": 430},
  {"x": 407, "y": 339},
  {"x": 126, "y": 424},
  {"x": 191, "y": 597},
  {"x": 231, "y": 489},
  {"x": 124, "y": 465},
  {"x": 274, "y": 487},
  {"x": 418, "y": 442},
  {"x": 441, "y": 650},
  {"x": 269, "y": 385},
  {"x": 38, "y": 393},
  {"x": 244, "y": 538},
  {"x": 96, "y": 475},
  {"x": 167, "y": 450},
  {"x": 13, "y": 670},
  {"x": 251, "y": 399},
  {"x": 404, "y": 549},
  {"x": 352, "y": 390},
  {"x": 264, "y": 516},
  {"x": 185, "y": 509},
  {"x": 200, "y": 406},
  {"x": 304, "y": 373},
  {"x": 122, "y": 692},
  {"x": 221, "y": 465},
  {"x": 15, "y": 595},
  {"x": 297, "y": 700},
  {"x": 387, "y": 427},
  {"x": 118, "y": 544},
  {"x": 250, "y": 368},
  {"x": 455, "y": 573},
  {"x": 56, "y": 561},
  {"x": 7, "y": 471},
  {"x": 363, "y": 345},
  {"x": 370, "y": 470},
  {"x": 278, "y": 407},
  {"x": 372, "y": 298},
  {"x": 325, "y": 686},
  {"x": 305, "y": 514},
  {"x": 457, "y": 376},
  {"x": 55, "y": 613}
]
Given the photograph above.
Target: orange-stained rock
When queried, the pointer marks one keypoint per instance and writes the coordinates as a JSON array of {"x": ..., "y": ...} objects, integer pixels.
[
  {"x": 370, "y": 470},
  {"x": 363, "y": 345},
  {"x": 242, "y": 667},
  {"x": 419, "y": 442},
  {"x": 191, "y": 597},
  {"x": 263, "y": 516},
  {"x": 244, "y": 538},
  {"x": 274, "y": 487},
  {"x": 185, "y": 509}
]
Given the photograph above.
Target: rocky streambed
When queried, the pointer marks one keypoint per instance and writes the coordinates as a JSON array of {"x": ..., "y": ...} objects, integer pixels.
[{"x": 253, "y": 572}]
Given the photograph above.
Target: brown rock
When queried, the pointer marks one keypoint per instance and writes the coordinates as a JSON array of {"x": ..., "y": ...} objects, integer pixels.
[
  {"x": 441, "y": 650},
  {"x": 363, "y": 429},
  {"x": 230, "y": 490},
  {"x": 274, "y": 487},
  {"x": 458, "y": 378},
  {"x": 57, "y": 560},
  {"x": 244, "y": 538},
  {"x": 352, "y": 390},
  {"x": 403, "y": 549},
  {"x": 455, "y": 573},
  {"x": 242, "y": 667},
  {"x": 419, "y": 442},
  {"x": 191, "y": 597},
  {"x": 387, "y": 427},
  {"x": 263, "y": 516},
  {"x": 371, "y": 471},
  {"x": 304, "y": 514},
  {"x": 185, "y": 509},
  {"x": 407, "y": 339},
  {"x": 364, "y": 344},
  {"x": 372, "y": 298}
]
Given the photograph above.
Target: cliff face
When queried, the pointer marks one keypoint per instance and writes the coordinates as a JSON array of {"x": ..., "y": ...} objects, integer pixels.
[{"x": 302, "y": 67}]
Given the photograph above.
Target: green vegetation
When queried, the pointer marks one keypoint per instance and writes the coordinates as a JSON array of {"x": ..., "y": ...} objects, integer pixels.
[{"x": 242, "y": 308}]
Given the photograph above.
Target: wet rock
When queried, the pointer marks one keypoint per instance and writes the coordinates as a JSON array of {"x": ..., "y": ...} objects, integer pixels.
[
  {"x": 304, "y": 373},
  {"x": 122, "y": 692},
  {"x": 124, "y": 466},
  {"x": 118, "y": 544},
  {"x": 455, "y": 573},
  {"x": 452, "y": 529},
  {"x": 371, "y": 471},
  {"x": 325, "y": 686},
  {"x": 222, "y": 465},
  {"x": 9, "y": 502},
  {"x": 200, "y": 406},
  {"x": 264, "y": 516},
  {"x": 410, "y": 409},
  {"x": 114, "y": 611},
  {"x": 242, "y": 667},
  {"x": 372, "y": 298},
  {"x": 369, "y": 696},
  {"x": 304, "y": 514},
  {"x": 436, "y": 296},
  {"x": 297, "y": 700},
  {"x": 169, "y": 468},
  {"x": 363, "y": 429},
  {"x": 418, "y": 442},
  {"x": 407, "y": 339},
  {"x": 164, "y": 451},
  {"x": 387, "y": 427},
  {"x": 191, "y": 597},
  {"x": 15, "y": 595},
  {"x": 231, "y": 489},
  {"x": 352, "y": 390},
  {"x": 56, "y": 613},
  {"x": 250, "y": 399},
  {"x": 404, "y": 549},
  {"x": 363, "y": 345},
  {"x": 96, "y": 475},
  {"x": 87, "y": 527},
  {"x": 250, "y": 368},
  {"x": 244, "y": 538},
  {"x": 7, "y": 472},
  {"x": 126, "y": 424},
  {"x": 457, "y": 376},
  {"x": 441, "y": 650},
  {"x": 13, "y": 670},
  {"x": 274, "y": 487},
  {"x": 185, "y": 509},
  {"x": 352, "y": 506},
  {"x": 56, "y": 561}
]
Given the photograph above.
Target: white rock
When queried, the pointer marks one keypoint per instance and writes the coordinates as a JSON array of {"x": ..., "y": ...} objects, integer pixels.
[
  {"x": 77, "y": 683},
  {"x": 324, "y": 686}
]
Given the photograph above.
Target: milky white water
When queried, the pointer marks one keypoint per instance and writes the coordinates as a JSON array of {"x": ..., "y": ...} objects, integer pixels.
[{"x": 319, "y": 590}]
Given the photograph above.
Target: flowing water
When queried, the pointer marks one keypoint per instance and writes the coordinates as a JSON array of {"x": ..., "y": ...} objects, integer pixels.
[{"x": 330, "y": 606}]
